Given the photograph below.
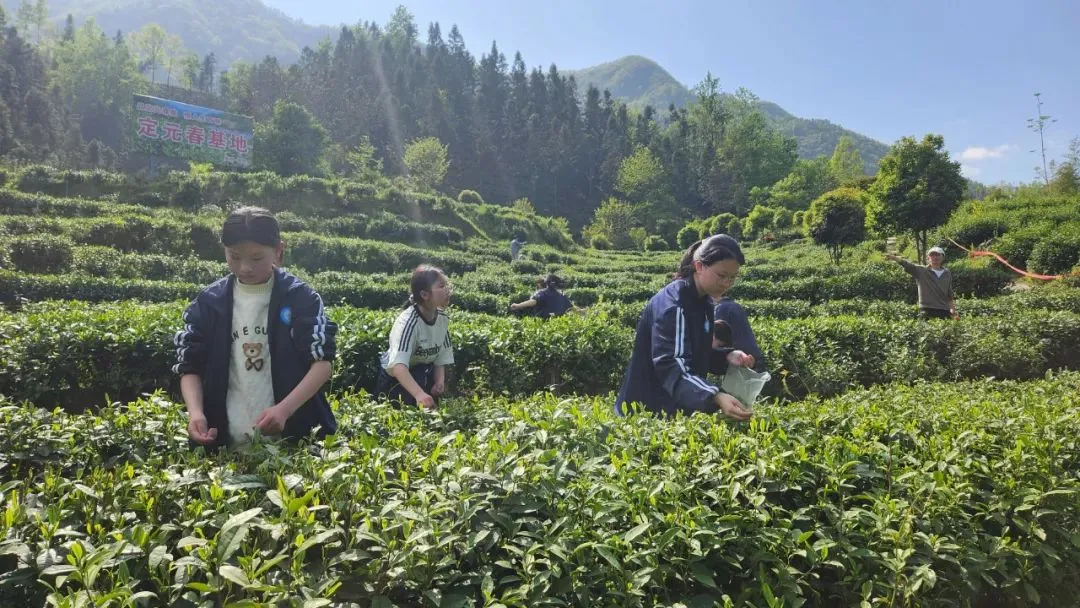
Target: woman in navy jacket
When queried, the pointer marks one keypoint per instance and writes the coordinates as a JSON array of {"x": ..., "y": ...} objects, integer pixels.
[{"x": 673, "y": 350}]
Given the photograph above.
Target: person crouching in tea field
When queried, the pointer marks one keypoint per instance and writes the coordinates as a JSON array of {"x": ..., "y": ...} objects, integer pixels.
[
  {"x": 413, "y": 369},
  {"x": 673, "y": 348},
  {"x": 732, "y": 329},
  {"x": 548, "y": 301},
  {"x": 257, "y": 346}
]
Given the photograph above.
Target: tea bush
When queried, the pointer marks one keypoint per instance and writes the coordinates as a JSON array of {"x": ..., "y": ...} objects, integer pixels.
[{"x": 925, "y": 495}]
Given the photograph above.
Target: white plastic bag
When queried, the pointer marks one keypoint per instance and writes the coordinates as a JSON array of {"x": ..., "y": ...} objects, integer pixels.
[{"x": 744, "y": 384}]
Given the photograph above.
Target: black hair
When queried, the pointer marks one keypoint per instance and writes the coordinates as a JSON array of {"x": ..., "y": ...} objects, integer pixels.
[
  {"x": 423, "y": 278},
  {"x": 722, "y": 332},
  {"x": 716, "y": 248},
  {"x": 253, "y": 224},
  {"x": 552, "y": 280}
]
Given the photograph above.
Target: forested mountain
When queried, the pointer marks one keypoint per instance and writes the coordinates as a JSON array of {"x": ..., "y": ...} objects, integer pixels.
[
  {"x": 355, "y": 104},
  {"x": 231, "y": 29},
  {"x": 640, "y": 82}
]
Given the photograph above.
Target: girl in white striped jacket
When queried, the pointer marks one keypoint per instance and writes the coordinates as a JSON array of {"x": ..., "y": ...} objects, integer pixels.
[{"x": 413, "y": 370}]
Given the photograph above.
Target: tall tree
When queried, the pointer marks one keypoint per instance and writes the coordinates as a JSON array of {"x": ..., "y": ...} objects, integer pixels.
[
  {"x": 837, "y": 219},
  {"x": 190, "y": 67},
  {"x": 173, "y": 54},
  {"x": 846, "y": 164},
  {"x": 31, "y": 119},
  {"x": 96, "y": 78},
  {"x": 292, "y": 143},
  {"x": 917, "y": 187},
  {"x": 426, "y": 160},
  {"x": 808, "y": 180},
  {"x": 69, "y": 29},
  {"x": 1066, "y": 180},
  {"x": 149, "y": 44},
  {"x": 644, "y": 182},
  {"x": 1038, "y": 124},
  {"x": 32, "y": 19},
  {"x": 402, "y": 28},
  {"x": 206, "y": 73}
]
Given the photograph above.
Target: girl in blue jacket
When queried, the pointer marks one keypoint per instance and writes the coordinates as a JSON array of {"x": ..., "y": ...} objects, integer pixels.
[
  {"x": 673, "y": 350},
  {"x": 257, "y": 346}
]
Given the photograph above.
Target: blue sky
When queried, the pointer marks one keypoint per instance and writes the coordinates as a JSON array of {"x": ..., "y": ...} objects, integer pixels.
[{"x": 966, "y": 69}]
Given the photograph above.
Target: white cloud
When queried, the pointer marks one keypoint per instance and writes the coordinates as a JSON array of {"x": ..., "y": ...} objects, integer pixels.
[
  {"x": 975, "y": 153},
  {"x": 969, "y": 171}
]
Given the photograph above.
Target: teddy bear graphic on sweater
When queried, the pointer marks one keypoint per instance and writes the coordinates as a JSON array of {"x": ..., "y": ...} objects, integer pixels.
[{"x": 253, "y": 355}]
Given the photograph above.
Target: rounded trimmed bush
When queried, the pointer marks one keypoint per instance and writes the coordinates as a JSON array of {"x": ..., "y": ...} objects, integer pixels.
[
  {"x": 41, "y": 254},
  {"x": 471, "y": 197},
  {"x": 687, "y": 236},
  {"x": 655, "y": 243},
  {"x": 975, "y": 231},
  {"x": 1055, "y": 254}
]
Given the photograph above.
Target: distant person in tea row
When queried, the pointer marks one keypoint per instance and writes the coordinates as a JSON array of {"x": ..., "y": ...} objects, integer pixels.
[
  {"x": 257, "y": 346},
  {"x": 516, "y": 246},
  {"x": 548, "y": 301},
  {"x": 935, "y": 284}
]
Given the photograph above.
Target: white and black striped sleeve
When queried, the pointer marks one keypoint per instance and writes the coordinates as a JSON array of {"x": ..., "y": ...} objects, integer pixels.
[
  {"x": 191, "y": 343},
  {"x": 403, "y": 338},
  {"x": 313, "y": 333},
  {"x": 671, "y": 355}
]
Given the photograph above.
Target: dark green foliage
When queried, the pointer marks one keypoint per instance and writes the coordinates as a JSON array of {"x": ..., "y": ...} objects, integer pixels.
[
  {"x": 807, "y": 502},
  {"x": 470, "y": 196},
  {"x": 688, "y": 235},
  {"x": 655, "y": 243},
  {"x": 916, "y": 190},
  {"x": 837, "y": 219},
  {"x": 122, "y": 349},
  {"x": 1056, "y": 253},
  {"x": 40, "y": 253}
]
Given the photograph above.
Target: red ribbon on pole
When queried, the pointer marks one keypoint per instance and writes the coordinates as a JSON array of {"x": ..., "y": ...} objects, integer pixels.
[{"x": 980, "y": 253}]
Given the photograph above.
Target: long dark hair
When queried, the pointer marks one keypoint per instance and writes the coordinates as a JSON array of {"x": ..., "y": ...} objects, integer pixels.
[
  {"x": 253, "y": 224},
  {"x": 714, "y": 249},
  {"x": 423, "y": 278}
]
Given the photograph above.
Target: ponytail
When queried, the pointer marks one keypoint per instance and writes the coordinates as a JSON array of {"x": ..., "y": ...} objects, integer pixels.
[
  {"x": 686, "y": 265},
  {"x": 423, "y": 278}
]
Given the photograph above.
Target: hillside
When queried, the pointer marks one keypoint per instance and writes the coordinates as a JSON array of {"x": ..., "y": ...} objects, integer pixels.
[
  {"x": 639, "y": 81},
  {"x": 249, "y": 30},
  {"x": 636, "y": 80},
  {"x": 233, "y": 30}
]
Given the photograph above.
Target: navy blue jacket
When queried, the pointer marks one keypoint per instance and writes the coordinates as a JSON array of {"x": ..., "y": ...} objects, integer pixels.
[
  {"x": 299, "y": 333},
  {"x": 673, "y": 353},
  {"x": 550, "y": 302}
]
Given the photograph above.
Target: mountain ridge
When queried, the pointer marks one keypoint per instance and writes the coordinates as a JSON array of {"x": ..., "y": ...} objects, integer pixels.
[
  {"x": 639, "y": 81},
  {"x": 250, "y": 30}
]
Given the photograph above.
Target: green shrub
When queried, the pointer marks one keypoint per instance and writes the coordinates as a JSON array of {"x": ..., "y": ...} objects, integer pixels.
[
  {"x": 470, "y": 197},
  {"x": 972, "y": 232},
  {"x": 655, "y": 243},
  {"x": 41, "y": 253},
  {"x": 688, "y": 236},
  {"x": 1056, "y": 253},
  {"x": 601, "y": 242},
  {"x": 803, "y": 507}
]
